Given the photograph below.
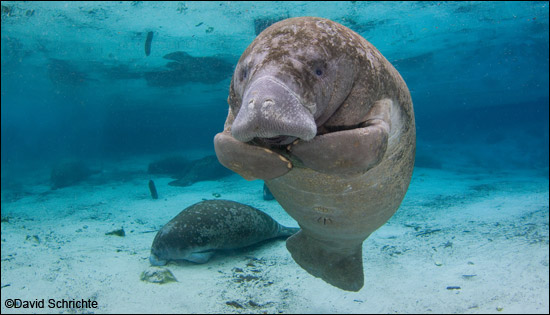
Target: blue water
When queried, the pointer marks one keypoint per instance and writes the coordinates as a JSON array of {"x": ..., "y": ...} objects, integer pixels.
[
  {"x": 79, "y": 82},
  {"x": 73, "y": 74}
]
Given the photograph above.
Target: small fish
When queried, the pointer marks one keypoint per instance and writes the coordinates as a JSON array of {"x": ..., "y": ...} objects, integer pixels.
[{"x": 148, "y": 43}]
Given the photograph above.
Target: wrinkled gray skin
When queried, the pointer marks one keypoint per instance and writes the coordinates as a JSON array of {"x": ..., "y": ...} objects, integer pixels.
[
  {"x": 319, "y": 114},
  {"x": 196, "y": 232}
]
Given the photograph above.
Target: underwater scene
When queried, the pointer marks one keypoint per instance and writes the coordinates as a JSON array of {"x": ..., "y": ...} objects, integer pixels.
[{"x": 274, "y": 157}]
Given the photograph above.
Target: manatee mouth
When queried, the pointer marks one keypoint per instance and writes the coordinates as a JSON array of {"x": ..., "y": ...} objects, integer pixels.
[
  {"x": 155, "y": 261},
  {"x": 279, "y": 140}
]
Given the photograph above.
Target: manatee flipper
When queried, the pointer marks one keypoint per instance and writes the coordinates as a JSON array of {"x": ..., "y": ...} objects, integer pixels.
[
  {"x": 287, "y": 231},
  {"x": 200, "y": 257},
  {"x": 341, "y": 269},
  {"x": 251, "y": 162},
  {"x": 349, "y": 151}
]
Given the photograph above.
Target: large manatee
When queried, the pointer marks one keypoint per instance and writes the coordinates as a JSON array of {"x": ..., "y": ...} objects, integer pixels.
[{"x": 318, "y": 113}]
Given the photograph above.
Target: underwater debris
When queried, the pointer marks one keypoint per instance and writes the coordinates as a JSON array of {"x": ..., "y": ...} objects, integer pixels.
[
  {"x": 6, "y": 11},
  {"x": 119, "y": 232},
  {"x": 207, "y": 168},
  {"x": 153, "y": 189},
  {"x": 148, "y": 43},
  {"x": 181, "y": 8},
  {"x": 34, "y": 239},
  {"x": 234, "y": 304},
  {"x": 428, "y": 232},
  {"x": 157, "y": 275},
  {"x": 248, "y": 303},
  {"x": 209, "y": 30},
  {"x": 247, "y": 278},
  {"x": 393, "y": 250},
  {"x": 453, "y": 288},
  {"x": 217, "y": 195}
]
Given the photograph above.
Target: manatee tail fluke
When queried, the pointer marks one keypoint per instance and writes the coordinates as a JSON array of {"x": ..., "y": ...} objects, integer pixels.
[{"x": 342, "y": 270}]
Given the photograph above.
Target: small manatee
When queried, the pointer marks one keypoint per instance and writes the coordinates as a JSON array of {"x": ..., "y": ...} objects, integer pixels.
[{"x": 197, "y": 231}]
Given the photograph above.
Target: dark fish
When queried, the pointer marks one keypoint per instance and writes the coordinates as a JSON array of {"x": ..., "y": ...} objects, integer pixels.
[
  {"x": 148, "y": 43},
  {"x": 153, "y": 189}
]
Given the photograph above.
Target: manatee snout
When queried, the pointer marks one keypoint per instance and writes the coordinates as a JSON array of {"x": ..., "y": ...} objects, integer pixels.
[
  {"x": 272, "y": 111},
  {"x": 155, "y": 261}
]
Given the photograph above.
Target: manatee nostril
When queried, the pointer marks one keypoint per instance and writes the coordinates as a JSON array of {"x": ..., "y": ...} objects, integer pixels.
[{"x": 268, "y": 102}]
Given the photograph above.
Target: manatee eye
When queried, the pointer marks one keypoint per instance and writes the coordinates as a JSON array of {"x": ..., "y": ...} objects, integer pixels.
[{"x": 319, "y": 67}]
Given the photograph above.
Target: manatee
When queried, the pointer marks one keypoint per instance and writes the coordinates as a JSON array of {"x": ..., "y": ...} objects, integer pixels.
[
  {"x": 172, "y": 165},
  {"x": 197, "y": 231},
  {"x": 317, "y": 112},
  {"x": 206, "y": 168},
  {"x": 69, "y": 173},
  {"x": 185, "y": 68}
]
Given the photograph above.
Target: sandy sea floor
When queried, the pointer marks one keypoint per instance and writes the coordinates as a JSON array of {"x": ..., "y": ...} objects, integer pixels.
[{"x": 484, "y": 232}]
